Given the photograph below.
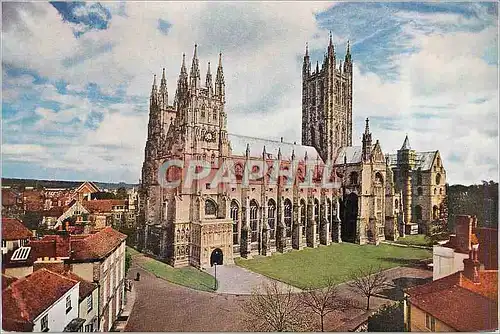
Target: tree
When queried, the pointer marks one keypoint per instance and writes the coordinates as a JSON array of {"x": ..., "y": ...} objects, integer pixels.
[
  {"x": 438, "y": 228},
  {"x": 368, "y": 281},
  {"x": 32, "y": 219},
  {"x": 121, "y": 193},
  {"x": 275, "y": 309},
  {"x": 389, "y": 318},
  {"x": 325, "y": 301}
]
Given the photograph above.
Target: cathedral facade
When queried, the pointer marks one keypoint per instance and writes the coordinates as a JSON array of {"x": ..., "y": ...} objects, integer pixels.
[{"x": 376, "y": 196}]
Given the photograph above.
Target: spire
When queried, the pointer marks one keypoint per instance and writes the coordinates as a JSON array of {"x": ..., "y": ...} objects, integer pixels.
[
  {"x": 153, "y": 89},
  {"x": 219, "y": 81},
  {"x": 367, "y": 142},
  {"x": 279, "y": 153},
  {"x": 264, "y": 155},
  {"x": 307, "y": 49},
  {"x": 194, "y": 76},
  {"x": 247, "y": 152},
  {"x": 208, "y": 81},
  {"x": 293, "y": 153},
  {"x": 331, "y": 48},
  {"x": 406, "y": 144},
  {"x": 348, "y": 53},
  {"x": 183, "y": 66},
  {"x": 306, "y": 66},
  {"x": 163, "y": 90},
  {"x": 317, "y": 66},
  {"x": 182, "y": 82}
]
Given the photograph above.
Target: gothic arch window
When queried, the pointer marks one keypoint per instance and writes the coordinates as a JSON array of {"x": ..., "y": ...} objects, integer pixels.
[
  {"x": 435, "y": 191},
  {"x": 210, "y": 208},
  {"x": 438, "y": 179},
  {"x": 419, "y": 191},
  {"x": 396, "y": 204},
  {"x": 238, "y": 171},
  {"x": 438, "y": 162},
  {"x": 353, "y": 178},
  {"x": 234, "y": 212},
  {"x": 165, "y": 210},
  {"x": 435, "y": 212},
  {"x": 379, "y": 179},
  {"x": 288, "y": 217},
  {"x": 271, "y": 218},
  {"x": 329, "y": 210},
  {"x": 419, "y": 178},
  {"x": 215, "y": 116},
  {"x": 316, "y": 214},
  {"x": 418, "y": 213},
  {"x": 254, "y": 209},
  {"x": 303, "y": 216},
  {"x": 203, "y": 111}
]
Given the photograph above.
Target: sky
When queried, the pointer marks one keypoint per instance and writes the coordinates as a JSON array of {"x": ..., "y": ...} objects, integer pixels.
[{"x": 76, "y": 77}]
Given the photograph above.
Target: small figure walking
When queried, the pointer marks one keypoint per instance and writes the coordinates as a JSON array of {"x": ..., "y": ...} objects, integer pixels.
[{"x": 138, "y": 277}]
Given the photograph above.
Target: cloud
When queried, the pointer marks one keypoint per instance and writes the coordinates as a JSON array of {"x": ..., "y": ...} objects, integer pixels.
[{"x": 429, "y": 70}]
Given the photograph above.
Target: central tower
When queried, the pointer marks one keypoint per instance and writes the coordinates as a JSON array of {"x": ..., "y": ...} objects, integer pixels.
[{"x": 327, "y": 103}]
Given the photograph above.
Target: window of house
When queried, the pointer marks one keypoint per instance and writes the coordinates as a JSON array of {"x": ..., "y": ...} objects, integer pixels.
[
  {"x": 234, "y": 218},
  {"x": 253, "y": 220},
  {"x": 68, "y": 304},
  {"x": 45, "y": 323},
  {"x": 271, "y": 218},
  {"x": 4, "y": 243},
  {"x": 89, "y": 303},
  {"x": 288, "y": 218},
  {"x": 430, "y": 322}
]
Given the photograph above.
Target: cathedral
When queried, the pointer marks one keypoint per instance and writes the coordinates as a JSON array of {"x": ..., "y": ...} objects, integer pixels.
[{"x": 380, "y": 196}]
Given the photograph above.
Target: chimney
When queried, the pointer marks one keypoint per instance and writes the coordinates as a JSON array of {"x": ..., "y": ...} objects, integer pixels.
[
  {"x": 463, "y": 229},
  {"x": 472, "y": 265},
  {"x": 53, "y": 264}
]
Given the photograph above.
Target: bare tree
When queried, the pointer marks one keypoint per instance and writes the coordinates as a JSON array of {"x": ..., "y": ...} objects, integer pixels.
[
  {"x": 325, "y": 301},
  {"x": 275, "y": 309},
  {"x": 368, "y": 282}
]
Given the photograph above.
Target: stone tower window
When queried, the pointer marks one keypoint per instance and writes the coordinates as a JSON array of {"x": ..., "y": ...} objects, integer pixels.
[
  {"x": 234, "y": 217},
  {"x": 419, "y": 191},
  {"x": 353, "y": 178},
  {"x": 396, "y": 203},
  {"x": 379, "y": 179},
  {"x": 435, "y": 191},
  {"x": 419, "y": 178},
  {"x": 440, "y": 191},
  {"x": 210, "y": 208},
  {"x": 271, "y": 218},
  {"x": 435, "y": 212},
  {"x": 438, "y": 179},
  {"x": 288, "y": 218}
]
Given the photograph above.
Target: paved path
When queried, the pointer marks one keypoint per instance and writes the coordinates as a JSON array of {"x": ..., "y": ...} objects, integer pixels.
[
  {"x": 240, "y": 281},
  {"x": 161, "y": 306}
]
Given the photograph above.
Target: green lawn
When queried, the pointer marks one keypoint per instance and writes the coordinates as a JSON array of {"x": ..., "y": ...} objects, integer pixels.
[
  {"x": 416, "y": 239},
  {"x": 311, "y": 268},
  {"x": 132, "y": 251},
  {"x": 190, "y": 277}
]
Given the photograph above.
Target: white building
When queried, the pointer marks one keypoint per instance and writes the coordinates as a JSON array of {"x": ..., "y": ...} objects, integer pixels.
[{"x": 43, "y": 301}]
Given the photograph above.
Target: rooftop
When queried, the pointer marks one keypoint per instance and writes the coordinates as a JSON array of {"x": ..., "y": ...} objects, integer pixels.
[
  {"x": 26, "y": 298},
  {"x": 460, "y": 303},
  {"x": 13, "y": 229}
]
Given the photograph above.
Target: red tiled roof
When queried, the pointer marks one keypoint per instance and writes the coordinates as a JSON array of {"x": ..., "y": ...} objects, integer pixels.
[
  {"x": 51, "y": 246},
  {"x": 28, "y": 297},
  {"x": 458, "y": 302},
  {"x": 13, "y": 229},
  {"x": 55, "y": 211},
  {"x": 9, "y": 197},
  {"x": 7, "y": 280},
  {"x": 97, "y": 245},
  {"x": 102, "y": 205}
]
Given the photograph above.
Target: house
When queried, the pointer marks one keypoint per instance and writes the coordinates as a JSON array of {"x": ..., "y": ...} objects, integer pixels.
[
  {"x": 465, "y": 301},
  {"x": 88, "y": 292},
  {"x": 51, "y": 216},
  {"x": 14, "y": 234},
  {"x": 12, "y": 202},
  {"x": 85, "y": 191},
  {"x": 43, "y": 301},
  {"x": 33, "y": 199},
  {"x": 77, "y": 211},
  {"x": 100, "y": 258},
  {"x": 448, "y": 257},
  {"x": 105, "y": 212}
]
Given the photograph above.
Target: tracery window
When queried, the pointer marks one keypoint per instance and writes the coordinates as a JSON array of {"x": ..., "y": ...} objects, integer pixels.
[
  {"x": 438, "y": 179},
  {"x": 288, "y": 218},
  {"x": 210, "y": 208},
  {"x": 234, "y": 212},
  {"x": 303, "y": 217},
  {"x": 271, "y": 218},
  {"x": 254, "y": 208},
  {"x": 353, "y": 177}
]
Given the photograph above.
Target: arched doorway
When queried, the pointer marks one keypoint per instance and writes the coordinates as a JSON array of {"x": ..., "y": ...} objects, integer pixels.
[
  {"x": 217, "y": 257},
  {"x": 349, "y": 217}
]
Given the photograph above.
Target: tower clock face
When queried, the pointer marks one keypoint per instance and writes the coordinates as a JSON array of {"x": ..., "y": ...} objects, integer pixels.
[{"x": 209, "y": 136}]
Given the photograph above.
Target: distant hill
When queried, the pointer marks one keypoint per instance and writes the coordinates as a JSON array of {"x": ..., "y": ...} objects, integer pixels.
[{"x": 21, "y": 183}]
